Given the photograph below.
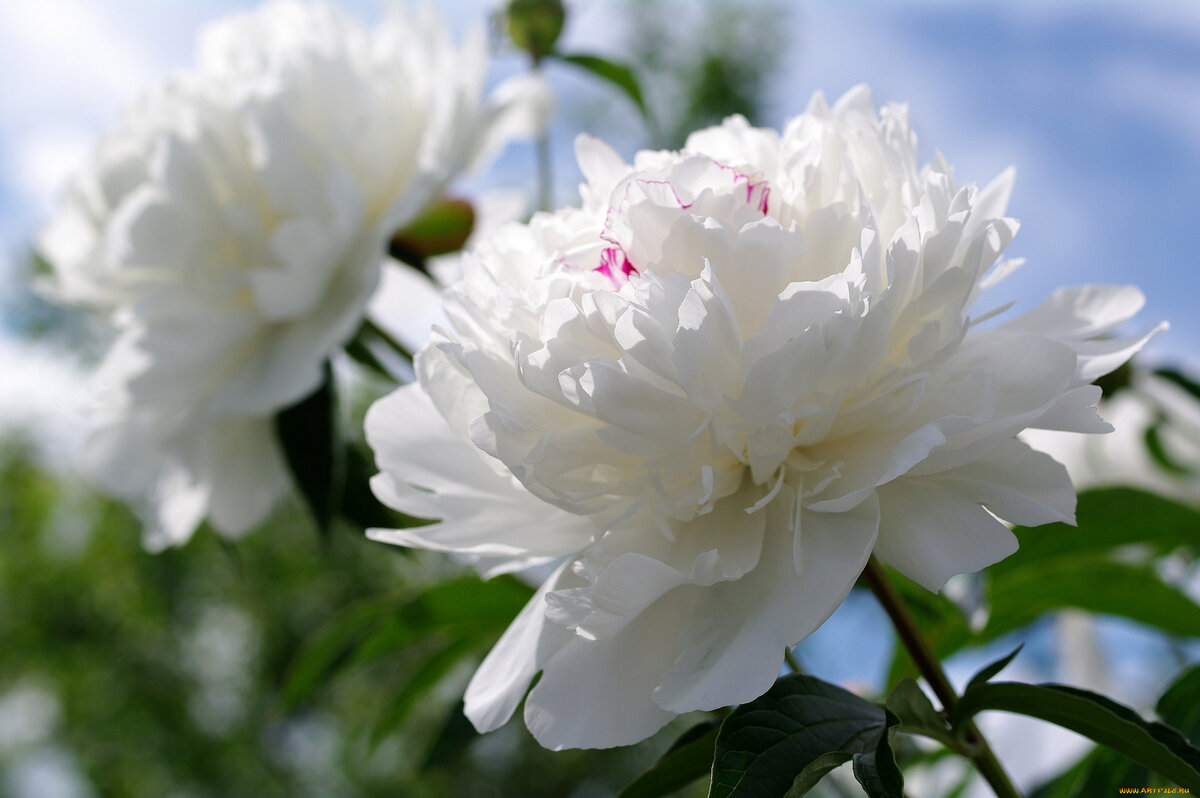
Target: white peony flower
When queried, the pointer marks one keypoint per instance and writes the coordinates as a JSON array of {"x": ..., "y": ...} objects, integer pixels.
[
  {"x": 716, "y": 389},
  {"x": 233, "y": 228}
]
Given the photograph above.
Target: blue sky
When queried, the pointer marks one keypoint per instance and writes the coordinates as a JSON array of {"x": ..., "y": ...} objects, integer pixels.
[{"x": 1097, "y": 105}]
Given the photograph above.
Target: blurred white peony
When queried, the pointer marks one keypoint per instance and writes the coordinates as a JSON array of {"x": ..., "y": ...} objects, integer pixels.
[
  {"x": 233, "y": 228},
  {"x": 715, "y": 389}
]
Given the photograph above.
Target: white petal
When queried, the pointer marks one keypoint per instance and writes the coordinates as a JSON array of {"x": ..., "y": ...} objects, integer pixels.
[
  {"x": 633, "y": 568},
  {"x": 1082, "y": 311},
  {"x": 180, "y": 505},
  {"x": 738, "y": 631},
  {"x": 873, "y": 459},
  {"x": 596, "y": 693},
  {"x": 1016, "y": 483},
  {"x": 1097, "y": 358},
  {"x": 501, "y": 680},
  {"x": 430, "y": 472},
  {"x": 248, "y": 474},
  {"x": 602, "y": 167},
  {"x": 930, "y": 533}
]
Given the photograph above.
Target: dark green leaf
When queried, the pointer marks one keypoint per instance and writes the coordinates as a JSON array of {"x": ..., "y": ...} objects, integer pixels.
[
  {"x": 465, "y": 609},
  {"x": 620, "y": 75},
  {"x": 361, "y": 353},
  {"x": 1101, "y": 772},
  {"x": 814, "y": 771},
  {"x": 877, "y": 771},
  {"x": 1180, "y": 379},
  {"x": 1153, "y": 744},
  {"x": 786, "y": 740},
  {"x": 1059, "y": 566},
  {"x": 1116, "y": 380},
  {"x": 455, "y": 735},
  {"x": 312, "y": 447},
  {"x": 988, "y": 671},
  {"x": 688, "y": 759},
  {"x": 428, "y": 675},
  {"x": 917, "y": 714},
  {"x": 492, "y": 604},
  {"x": 359, "y": 505},
  {"x": 1158, "y": 450},
  {"x": 442, "y": 228},
  {"x": 1130, "y": 591},
  {"x": 1179, "y": 706},
  {"x": 329, "y": 644},
  {"x": 1107, "y": 518}
]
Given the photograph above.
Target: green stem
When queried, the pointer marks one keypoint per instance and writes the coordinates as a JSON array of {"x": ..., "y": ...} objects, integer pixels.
[
  {"x": 927, "y": 663},
  {"x": 383, "y": 335},
  {"x": 792, "y": 662},
  {"x": 545, "y": 179}
]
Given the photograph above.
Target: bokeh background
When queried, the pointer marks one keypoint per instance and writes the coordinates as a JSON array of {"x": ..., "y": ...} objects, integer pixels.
[{"x": 127, "y": 674}]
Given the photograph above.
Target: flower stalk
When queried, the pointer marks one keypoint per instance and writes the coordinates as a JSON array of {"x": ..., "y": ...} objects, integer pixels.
[
  {"x": 544, "y": 165},
  {"x": 979, "y": 752}
]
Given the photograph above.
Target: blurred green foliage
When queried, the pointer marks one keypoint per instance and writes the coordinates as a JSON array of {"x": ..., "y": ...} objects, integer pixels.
[
  {"x": 701, "y": 62},
  {"x": 164, "y": 673}
]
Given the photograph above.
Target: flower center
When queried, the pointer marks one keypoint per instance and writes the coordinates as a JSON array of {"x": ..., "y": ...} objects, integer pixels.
[{"x": 704, "y": 188}]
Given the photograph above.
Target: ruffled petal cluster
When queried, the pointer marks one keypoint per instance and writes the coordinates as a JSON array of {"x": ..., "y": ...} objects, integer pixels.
[
  {"x": 233, "y": 226},
  {"x": 714, "y": 390}
]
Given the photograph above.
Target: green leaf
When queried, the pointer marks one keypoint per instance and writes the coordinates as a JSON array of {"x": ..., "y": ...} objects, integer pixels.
[
  {"x": 1180, "y": 379},
  {"x": 619, "y": 75},
  {"x": 453, "y": 738},
  {"x": 1101, "y": 772},
  {"x": 1058, "y": 566},
  {"x": 1107, "y": 518},
  {"x": 311, "y": 445},
  {"x": 689, "y": 758},
  {"x": 1158, "y": 450},
  {"x": 988, "y": 671},
  {"x": 428, "y": 675},
  {"x": 1179, "y": 706},
  {"x": 466, "y": 609},
  {"x": 359, "y": 505},
  {"x": 469, "y": 601},
  {"x": 1153, "y": 744},
  {"x": 360, "y": 352},
  {"x": 329, "y": 644},
  {"x": 877, "y": 771},
  {"x": 917, "y": 714},
  {"x": 786, "y": 740},
  {"x": 1130, "y": 591},
  {"x": 814, "y": 771},
  {"x": 442, "y": 228}
]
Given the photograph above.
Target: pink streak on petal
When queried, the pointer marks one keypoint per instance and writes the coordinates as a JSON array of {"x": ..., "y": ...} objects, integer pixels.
[{"x": 612, "y": 261}]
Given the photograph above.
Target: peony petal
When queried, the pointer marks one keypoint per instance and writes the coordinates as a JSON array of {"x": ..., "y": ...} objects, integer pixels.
[
  {"x": 738, "y": 630},
  {"x": 430, "y": 472},
  {"x": 930, "y": 532},
  {"x": 1082, "y": 312},
  {"x": 501, "y": 680},
  {"x": 1016, "y": 483},
  {"x": 596, "y": 693},
  {"x": 246, "y": 471},
  {"x": 872, "y": 459}
]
